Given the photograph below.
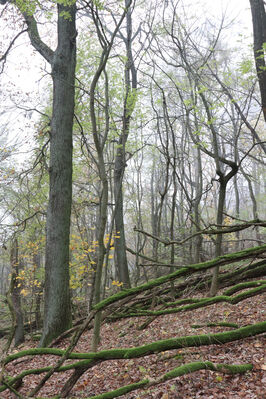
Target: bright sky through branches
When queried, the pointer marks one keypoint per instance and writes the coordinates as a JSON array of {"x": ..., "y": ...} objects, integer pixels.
[{"x": 25, "y": 70}]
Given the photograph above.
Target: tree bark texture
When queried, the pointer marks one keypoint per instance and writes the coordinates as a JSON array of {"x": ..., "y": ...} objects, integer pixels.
[
  {"x": 16, "y": 295},
  {"x": 57, "y": 312},
  {"x": 259, "y": 33},
  {"x": 120, "y": 158}
]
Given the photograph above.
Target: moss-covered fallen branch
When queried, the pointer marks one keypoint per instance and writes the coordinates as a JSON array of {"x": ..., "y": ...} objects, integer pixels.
[
  {"x": 243, "y": 286},
  {"x": 131, "y": 353},
  {"x": 184, "y": 271},
  {"x": 197, "y": 303},
  {"x": 148, "y": 349},
  {"x": 177, "y": 372},
  {"x": 197, "y": 284},
  {"x": 122, "y": 390},
  {"x": 249, "y": 271},
  {"x": 218, "y": 324},
  {"x": 18, "y": 378}
]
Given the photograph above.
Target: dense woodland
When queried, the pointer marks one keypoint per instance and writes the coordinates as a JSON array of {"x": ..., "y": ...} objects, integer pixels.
[{"x": 137, "y": 200}]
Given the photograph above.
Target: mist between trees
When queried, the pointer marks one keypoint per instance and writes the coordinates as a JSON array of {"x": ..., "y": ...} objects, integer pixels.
[{"x": 148, "y": 161}]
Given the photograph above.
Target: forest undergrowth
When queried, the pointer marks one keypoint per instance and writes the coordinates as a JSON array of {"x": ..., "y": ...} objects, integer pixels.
[{"x": 206, "y": 384}]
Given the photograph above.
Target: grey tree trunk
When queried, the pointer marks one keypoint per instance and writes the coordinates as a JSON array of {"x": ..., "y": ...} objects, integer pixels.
[
  {"x": 99, "y": 143},
  {"x": 259, "y": 33},
  {"x": 120, "y": 245},
  {"x": 219, "y": 238},
  {"x": 120, "y": 158},
  {"x": 197, "y": 242},
  {"x": 15, "y": 294},
  {"x": 255, "y": 214},
  {"x": 57, "y": 312},
  {"x": 237, "y": 213}
]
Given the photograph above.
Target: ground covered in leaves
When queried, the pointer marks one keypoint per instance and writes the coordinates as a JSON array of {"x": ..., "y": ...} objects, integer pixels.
[{"x": 204, "y": 384}]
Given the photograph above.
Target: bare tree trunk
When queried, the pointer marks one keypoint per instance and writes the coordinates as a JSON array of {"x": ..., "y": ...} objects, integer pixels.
[
  {"x": 37, "y": 293},
  {"x": 154, "y": 211},
  {"x": 254, "y": 206},
  {"x": 219, "y": 238},
  {"x": 259, "y": 33},
  {"x": 237, "y": 213},
  {"x": 99, "y": 143},
  {"x": 16, "y": 295},
  {"x": 120, "y": 158},
  {"x": 197, "y": 242},
  {"x": 57, "y": 311}
]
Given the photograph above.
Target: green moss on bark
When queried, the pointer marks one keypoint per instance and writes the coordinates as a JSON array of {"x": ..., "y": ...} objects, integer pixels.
[
  {"x": 218, "y": 324},
  {"x": 186, "y": 270},
  {"x": 177, "y": 372},
  {"x": 243, "y": 286},
  {"x": 198, "y": 303},
  {"x": 131, "y": 353}
]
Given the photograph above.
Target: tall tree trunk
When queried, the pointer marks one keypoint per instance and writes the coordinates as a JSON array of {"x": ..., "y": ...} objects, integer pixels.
[
  {"x": 237, "y": 213},
  {"x": 57, "y": 311},
  {"x": 37, "y": 293},
  {"x": 219, "y": 238},
  {"x": 197, "y": 242},
  {"x": 16, "y": 295},
  {"x": 99, "y": 143},
  {"x": 120, "y": 158},
  {"x": 154, "y": 210},
  {"x": 101, "y": 250},
  {"x": 255, "y": 214},
  {"x": 259, "y": 33}
]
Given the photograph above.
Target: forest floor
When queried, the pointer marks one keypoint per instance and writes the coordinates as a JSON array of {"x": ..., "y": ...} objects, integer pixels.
[{"x": 201, "y": 384}]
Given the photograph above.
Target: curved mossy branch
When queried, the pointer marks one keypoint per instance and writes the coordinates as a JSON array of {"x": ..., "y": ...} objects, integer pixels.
[
  {"x": 88, "y": 363},
  {"x": 174, "y": 343},
  {"x": 225, "y": 280},
  {"x": 230, "y": 291},
  {"x": 89, "y": 359},
  {"x": 255, "y": 270},
  {"x": 242, "y": 286},
  {"x": 197, "y": 303},
  {"x": 218, "y": 324},
  {"x": 12, "y": 389},
  {"x": 186, "y": 270},
  {"x": 122, "y": 390},
  {"x": 222, "y": 260},
  {"x": 148, "y": 349},
  {"x": 186, "y": 301},
  {"x": 177, "y": 372}
]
